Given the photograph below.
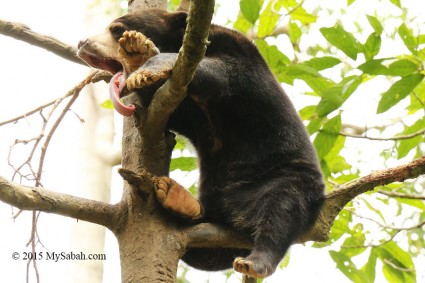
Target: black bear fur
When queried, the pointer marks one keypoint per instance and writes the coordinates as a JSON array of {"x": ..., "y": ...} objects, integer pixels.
[{"x": 259, "y": 172}]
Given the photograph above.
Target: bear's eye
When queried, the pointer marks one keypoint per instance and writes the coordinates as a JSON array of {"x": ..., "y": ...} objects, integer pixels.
[{"x": 117, "y": 29}]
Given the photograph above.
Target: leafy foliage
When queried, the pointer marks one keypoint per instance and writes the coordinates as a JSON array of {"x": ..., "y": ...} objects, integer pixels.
[{"x": 345, "y": 69}]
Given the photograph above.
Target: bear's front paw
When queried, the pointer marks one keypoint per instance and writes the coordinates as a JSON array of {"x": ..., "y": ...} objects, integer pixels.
[
  {"x": 175, "y": 198},
  {"x": 142, "y": 78},
  {"x": 136, "y": 42}
]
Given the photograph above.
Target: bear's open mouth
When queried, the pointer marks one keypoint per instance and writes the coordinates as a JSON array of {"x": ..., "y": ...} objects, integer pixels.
[
  {"x": 117, "y": 83},
  {"x": 108, "y": 64}
]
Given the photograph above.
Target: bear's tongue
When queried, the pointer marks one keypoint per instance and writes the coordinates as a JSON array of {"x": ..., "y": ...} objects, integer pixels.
[{"x": 116, "y": 86}]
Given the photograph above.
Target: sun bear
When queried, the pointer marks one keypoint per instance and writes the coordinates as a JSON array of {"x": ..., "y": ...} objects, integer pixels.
[{"x": 259, "y": 172}]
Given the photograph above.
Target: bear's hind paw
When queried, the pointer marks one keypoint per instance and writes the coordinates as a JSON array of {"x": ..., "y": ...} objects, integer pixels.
[
  {"x": 172, "y": 196},
  {"x": 252, "y": 268}
]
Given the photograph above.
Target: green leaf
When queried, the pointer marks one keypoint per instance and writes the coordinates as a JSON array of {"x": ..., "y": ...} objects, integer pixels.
[
  {"x": 307, "y": 112},
  {"x": 402, "y": 68},
  {"x": 376, "y": 25},
  {"x": 273, "y": 56},
  {"x": 395, "y": 260},
  {"x": 268, "y": 20},
  {"x": 322, "y": 63},
  {"x": 314, "y": 125},
  {"x": 300, "y": 14},
  {"x": 409, "y": 40},
  {"x": 417, "y": 101},
  {"x": 331, "y": 100},
  {"x": 306, "y": 73},
  {"x": 334, "y": 97},
  {"x": 398, "y": 91},
  {"x": 372, "y": 46},
  {"x": 396, "y": 2},
  {"x": 341, "y": 224},
  {"x": 350, "y": 85},
  {"x": 294, "y": 32},
  {"x": 242, "y": 24},
  {"x": 184, "y": 163},
  {"x": 374, "y": 67},
  {"x": 335, "y": 162},
  {"x": 326, "y": 138},
  {"x": 285, "y": 261},
  {"x": 369, "y": 269},
  {"x": 251, "y": 9},
  {"x": 107, "y": 104},
  {"x": 193, "y": 190},
  {"x": 354, "y": 245},
  {"x": 342, "y": 39},
  {"x": 406, "y": 145},
  {"x": 346, "y": 266},
  {"x": 417, "y": 203},
  {"x": 181, "y": 143},
  {"x": 349, "y": 2}
]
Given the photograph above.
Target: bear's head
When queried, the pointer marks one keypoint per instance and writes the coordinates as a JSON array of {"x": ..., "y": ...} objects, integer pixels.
[
  {"x": 164, "y": 29},
  {"x": 110, "y": 50}
]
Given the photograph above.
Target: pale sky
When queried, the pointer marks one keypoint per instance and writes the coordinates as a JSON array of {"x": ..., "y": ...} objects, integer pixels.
[{"x": 29, "y": 77}]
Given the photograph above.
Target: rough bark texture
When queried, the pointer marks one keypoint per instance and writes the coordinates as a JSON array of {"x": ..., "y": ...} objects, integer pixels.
[{"x": 151, "y": 241}]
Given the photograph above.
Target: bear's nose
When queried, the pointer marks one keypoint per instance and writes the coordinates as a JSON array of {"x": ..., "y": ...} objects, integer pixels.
[{"x": 82, "y": 42}]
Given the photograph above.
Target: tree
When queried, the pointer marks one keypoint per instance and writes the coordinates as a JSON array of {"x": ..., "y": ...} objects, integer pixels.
[{"x": 132, "y": 216}]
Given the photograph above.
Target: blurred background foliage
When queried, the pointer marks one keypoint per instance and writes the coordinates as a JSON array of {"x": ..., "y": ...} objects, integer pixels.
[{"x": 355, "y": 71}]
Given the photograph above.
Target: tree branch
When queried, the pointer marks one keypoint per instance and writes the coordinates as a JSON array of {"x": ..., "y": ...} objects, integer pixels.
[
  {"x": 207, "y": 235},
  {"x": 32, "y": 198},
  {"x": 24, "y": 33},
  {"x": 213, "y": 236},
  {"x": 337, "y": 199},
  {"x": 172, "y": 93}
]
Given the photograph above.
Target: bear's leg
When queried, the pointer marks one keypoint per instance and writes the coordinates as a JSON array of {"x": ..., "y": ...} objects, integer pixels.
[
  {"x": 281, "y": 211},
  {"x": 173, "y": 197},
  {"x": 263, "y": 259}
]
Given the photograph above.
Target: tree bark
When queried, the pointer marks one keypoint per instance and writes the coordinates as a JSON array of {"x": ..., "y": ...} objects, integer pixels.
[{"x": 151, "y": 242}]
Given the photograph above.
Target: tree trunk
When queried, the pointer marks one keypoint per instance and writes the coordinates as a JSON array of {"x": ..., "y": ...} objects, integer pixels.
[{"x": 149, "y": 240}]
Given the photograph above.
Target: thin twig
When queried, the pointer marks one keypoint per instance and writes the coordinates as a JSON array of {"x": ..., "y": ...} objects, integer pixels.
[
  {"x": 401, "y": 195},
  {"x": 396, "y": 138},
  {"x": 36, "y": 110},
  {"x": 33, "y": 246},
  {"x": 384, "y": 226},
  {"x": 49, "y": 136}
]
